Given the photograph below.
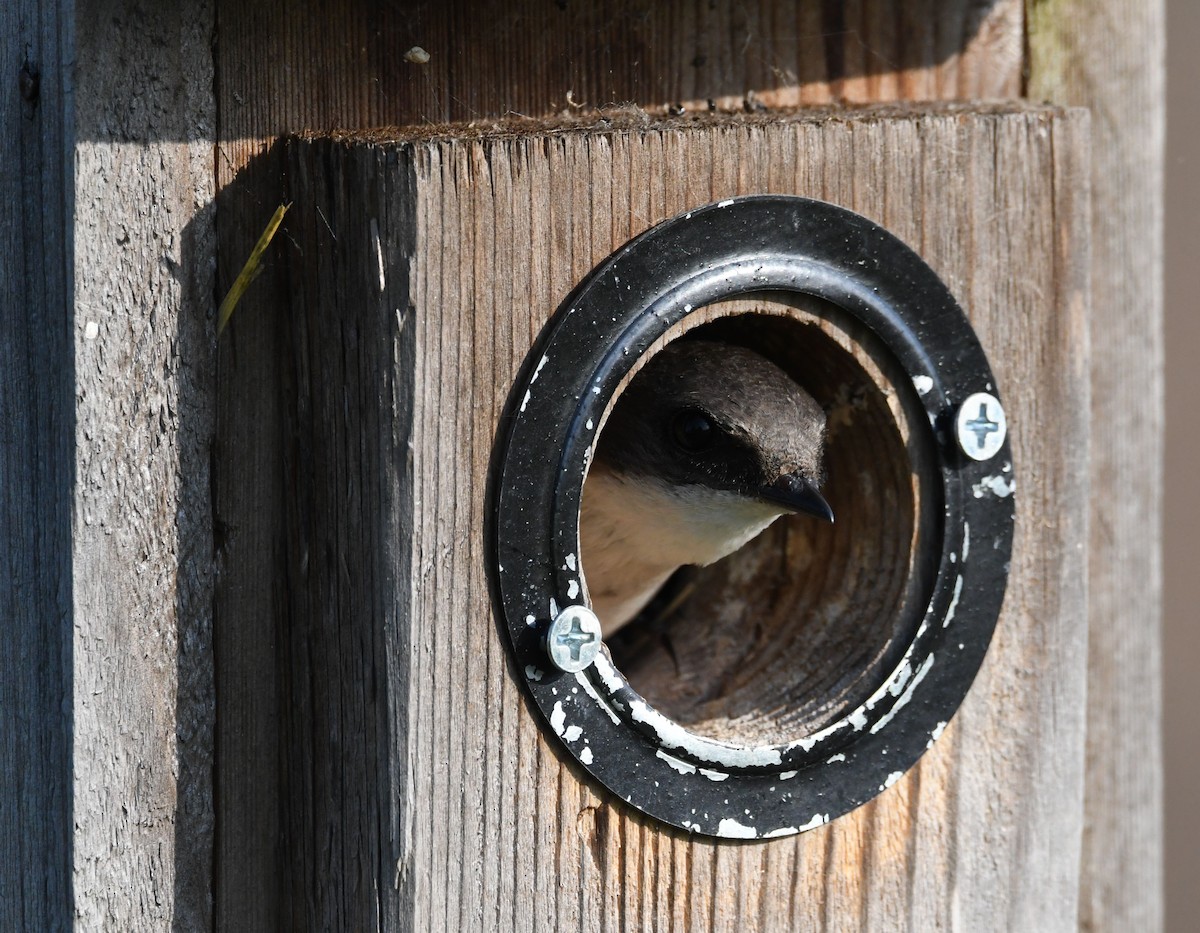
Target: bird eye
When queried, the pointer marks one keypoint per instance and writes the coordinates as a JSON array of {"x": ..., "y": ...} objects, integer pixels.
[{"x": 693, "y": 431}]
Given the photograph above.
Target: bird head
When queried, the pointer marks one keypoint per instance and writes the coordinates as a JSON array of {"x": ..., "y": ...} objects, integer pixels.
[
  {"x": 707, "y": 445},
  {"x": 719, "y": 422}
]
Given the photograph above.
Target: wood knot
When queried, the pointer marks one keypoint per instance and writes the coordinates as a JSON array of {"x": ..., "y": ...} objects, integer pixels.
[{"x": 29, "y": 83}]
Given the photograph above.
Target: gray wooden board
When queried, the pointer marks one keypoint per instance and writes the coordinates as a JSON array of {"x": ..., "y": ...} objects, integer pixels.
[
  {"x": 141, "y": 578},
  {"x": 1110, "y": 57},
  {"x": 105, "y": 369},
  {"x": 341, "y": 64},
  {"x": 37, "y": 406},
  {"x": 418, "y": 790}
]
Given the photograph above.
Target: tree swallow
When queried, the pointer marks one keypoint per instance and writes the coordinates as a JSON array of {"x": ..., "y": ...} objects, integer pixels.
[{"x": 706, "y": 447}]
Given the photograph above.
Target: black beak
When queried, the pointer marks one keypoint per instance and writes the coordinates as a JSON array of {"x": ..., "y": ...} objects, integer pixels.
[{"x": 796, "y": 494}]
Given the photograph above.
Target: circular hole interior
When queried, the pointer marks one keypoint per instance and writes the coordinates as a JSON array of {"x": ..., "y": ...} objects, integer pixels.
[{"x": 802, "y": 624}]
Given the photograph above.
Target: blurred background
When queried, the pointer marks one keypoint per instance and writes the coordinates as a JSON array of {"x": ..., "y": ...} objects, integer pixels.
[{"x": 1181, "y": 549}]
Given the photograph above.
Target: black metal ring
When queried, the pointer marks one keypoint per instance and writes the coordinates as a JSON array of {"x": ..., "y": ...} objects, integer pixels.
[{"x": 720, "y": 251}]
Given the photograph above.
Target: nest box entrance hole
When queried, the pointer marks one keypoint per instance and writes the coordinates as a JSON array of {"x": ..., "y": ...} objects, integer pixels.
[{"x": 803, "y": 623}]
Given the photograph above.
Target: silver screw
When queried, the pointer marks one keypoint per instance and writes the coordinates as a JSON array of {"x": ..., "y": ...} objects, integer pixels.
[
  {"x": 981, "y": 426},
  {"x": 573, "y": 640}
]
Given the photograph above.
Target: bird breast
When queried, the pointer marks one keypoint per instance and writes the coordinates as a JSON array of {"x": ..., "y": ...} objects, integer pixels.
[{"x": 636, "y": 531}]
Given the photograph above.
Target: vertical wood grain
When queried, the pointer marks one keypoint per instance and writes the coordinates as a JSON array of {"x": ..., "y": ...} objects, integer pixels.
[
  {"x": 287, "y": 68},
  {"x": 37, "y": 407},
  {"x": 1110, "y": 57},
  {"x": 341, "y": 64},
  {"x": 105, "y": 687},
  {"x": 492, "y": 830},
  {"x": 141, "y": 572},
  {"x": 113, "y": 538},
  {"x": 250, "y": 598}
]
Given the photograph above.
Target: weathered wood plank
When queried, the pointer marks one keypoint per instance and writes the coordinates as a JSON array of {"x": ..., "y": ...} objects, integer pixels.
[
  {"x": 1110, "y": 57},
  {"x": 470, "y": 820},
  {"x": 37, "y": 397},
  {"x": 1181, "y": 514},
  {"x": 104, "y": 374},
  {"x": 285, "y": 68},
  {"x": 341, "y": 65},
  {"x": 249, "y": 602},
  {"x": 141, "y": 572}
]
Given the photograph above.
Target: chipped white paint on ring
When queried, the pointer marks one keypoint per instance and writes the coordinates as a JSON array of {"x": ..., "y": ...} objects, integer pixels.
[
  {"x": 672, "y": 735},
  {"x": 953, "y": 607},
  {"x": 906, "y": 696},
  {"x": 682, "y": 767},
  {"x": 859, "y": 718},
  {"x": 999, "y": 486},
  {"x": 923, "y": 384},
  {"x": 732, "y": 829},
  {"x": 817, "y": 820},
  {"x": 590, "y": 690},
  {"x": 897, "y": 685}
]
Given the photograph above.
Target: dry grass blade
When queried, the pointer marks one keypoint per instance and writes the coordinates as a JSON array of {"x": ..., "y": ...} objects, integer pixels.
[{"x": 250, "y": 270}]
